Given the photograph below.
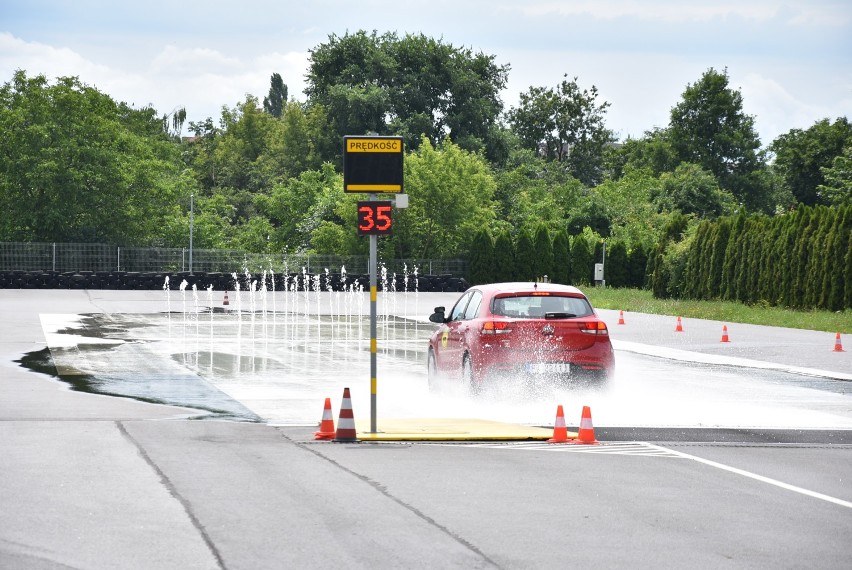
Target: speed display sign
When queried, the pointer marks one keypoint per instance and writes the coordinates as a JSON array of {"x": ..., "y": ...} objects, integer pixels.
[
  {"x": 374, "y": 217},
  {"x": 372, "y": 164}
]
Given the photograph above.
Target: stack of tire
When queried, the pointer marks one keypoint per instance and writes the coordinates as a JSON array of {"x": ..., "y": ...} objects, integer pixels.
[{"x": 147, "y": 281}]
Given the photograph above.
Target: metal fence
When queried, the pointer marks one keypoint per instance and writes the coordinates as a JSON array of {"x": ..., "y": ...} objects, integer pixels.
[{"x": 73, "y": 257}]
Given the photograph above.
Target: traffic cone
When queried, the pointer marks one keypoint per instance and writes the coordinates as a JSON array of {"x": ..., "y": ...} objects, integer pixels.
[
  {"x": 560, "y": 432},
  {"x": 586, "y": 434},
  {"x": 725, "y": 334},
  {"x": 621, "y": 317},
  {"x": 346, "y": 421},
  {"x": 679, "y": 327},
  {"x": 326, "y": 430},
  {"x": 838, "y": 347},
  {"x": 225, "y": 301}
]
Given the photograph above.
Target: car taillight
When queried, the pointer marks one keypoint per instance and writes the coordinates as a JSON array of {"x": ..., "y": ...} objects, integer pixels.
[
  {"x": 496, "y": 327},
  {"x": 594, "y": 327}
]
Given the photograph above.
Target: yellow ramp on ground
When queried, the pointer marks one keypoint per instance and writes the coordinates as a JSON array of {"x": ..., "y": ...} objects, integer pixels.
[{"x": 450, "y": 429}]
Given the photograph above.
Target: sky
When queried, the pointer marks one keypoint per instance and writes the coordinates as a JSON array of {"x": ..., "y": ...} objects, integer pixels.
[{"x": 791, "y": 60}]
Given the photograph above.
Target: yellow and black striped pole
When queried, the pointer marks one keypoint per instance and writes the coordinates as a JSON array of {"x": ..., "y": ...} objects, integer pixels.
[{"x": 373, "y": 344}]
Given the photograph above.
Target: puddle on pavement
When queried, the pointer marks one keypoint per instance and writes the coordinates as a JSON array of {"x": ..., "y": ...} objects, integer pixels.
[
  {"x": 279, "y": 367},
  {"x": 176, "y": 387},
  {"x": 196, "y": 360}
]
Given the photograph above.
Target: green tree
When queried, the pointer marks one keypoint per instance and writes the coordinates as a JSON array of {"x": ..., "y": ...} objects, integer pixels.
[
  {"x": 799, "y": 258},
  {"x": 565, "y": 124},
  {"x": 835, "y": 273},
  {"x": 277, "y": 98},
  {"x": 633, "y": 216},
  {"x": 816, "y": 257},
  {"x": 531, "y": 190},
  {"x": 298, "y": 206},
  {"x": 801, "y": 157},
  {"x": 592, "y": 212},
  {"x": 450, "y": 199},
  {"x": 800, "y": 219},
  {"x": 543, "y": 258},
  {"x": 524, "y": 257},
  {"x": 411, "y": 86},
  {"x": 295, "y": 143},
  {"x": 717, "y": 258},
  {"x": 199, "y": 155},
  {"x": 847, "y": 276},
  {"x": 561, "y": 257},
  {"x": 504, "y": 257},
  {"x": 837, "y": 186},
  {"x": 242, "y": 155},
  {"x": 668, "y": 259},
  {"x": 482, "y": 258},
  {"x": 656, "y": 272},
  {"x": 616, "y": 267},
  {"x": 76, "y": 166},
  {"x": 692, "y": 190},
  {"x": 637, "y": 261},
  {"x": 582, "y": 263},
  {"x": 709, "y": 128},
  {"x": 653, "y": 153}
]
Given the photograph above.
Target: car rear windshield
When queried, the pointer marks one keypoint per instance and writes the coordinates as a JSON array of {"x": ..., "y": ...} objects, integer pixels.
[{"x": 538, "y": 306}]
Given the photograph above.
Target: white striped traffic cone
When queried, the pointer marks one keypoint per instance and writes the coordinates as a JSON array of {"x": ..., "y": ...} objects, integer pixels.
[
  {"x": 586, "y": 434},
  {"x": 346, "y": 421},
  {"x": 326, "y": 430},
  {"x": 560, "y": 432}
]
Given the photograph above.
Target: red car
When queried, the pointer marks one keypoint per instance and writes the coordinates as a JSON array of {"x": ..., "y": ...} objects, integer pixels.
[{"x": 533, "y": 330}]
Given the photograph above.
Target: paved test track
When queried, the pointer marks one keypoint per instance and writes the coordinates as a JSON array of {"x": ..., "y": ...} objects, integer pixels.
[{"x": 95, "y": 482}]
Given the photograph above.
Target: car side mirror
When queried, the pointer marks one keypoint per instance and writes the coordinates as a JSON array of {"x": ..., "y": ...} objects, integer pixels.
[{"x": 438, "y": 315}]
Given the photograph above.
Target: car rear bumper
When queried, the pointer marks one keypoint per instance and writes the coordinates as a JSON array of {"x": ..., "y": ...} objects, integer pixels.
[{"x": 597, "y": 359}]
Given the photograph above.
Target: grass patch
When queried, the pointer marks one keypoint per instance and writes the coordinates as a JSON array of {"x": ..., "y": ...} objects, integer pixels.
[{"x": 642, "y": 301}]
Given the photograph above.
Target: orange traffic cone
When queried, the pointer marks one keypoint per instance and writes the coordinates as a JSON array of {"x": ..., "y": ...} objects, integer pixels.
[
  {"x": 225, "y": 301},
  {"x": 326, "y": 430},
  {"x": 725, "y": 334},
  {"x": 587, "y": 431},
  {"x": 560, "y": 432},
  {"x": 621, "y": 317},
  {"x": 346, "y": 421},
  {"x": 679, "y": 327},
  {"x": 838, "y": 347}
]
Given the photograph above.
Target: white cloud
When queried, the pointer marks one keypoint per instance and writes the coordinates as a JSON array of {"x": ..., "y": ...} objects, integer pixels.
[
  {"x": 201, "y": 80},
  {"x": 810, "y": 13},
  {"x": 777, "y": 110},
  {"x": 37, "y": 58},
  {"x": 176, "y": 62}
]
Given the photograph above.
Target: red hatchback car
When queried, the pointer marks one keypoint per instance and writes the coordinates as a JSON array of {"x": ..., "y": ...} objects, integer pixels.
[{"x": 532, "y": 330}]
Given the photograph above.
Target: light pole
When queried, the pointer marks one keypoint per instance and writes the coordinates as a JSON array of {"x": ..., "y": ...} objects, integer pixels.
[{"x": 191, "y": 223}]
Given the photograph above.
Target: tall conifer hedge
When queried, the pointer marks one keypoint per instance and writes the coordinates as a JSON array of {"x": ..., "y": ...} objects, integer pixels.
[{"x": 801, "y": 260}]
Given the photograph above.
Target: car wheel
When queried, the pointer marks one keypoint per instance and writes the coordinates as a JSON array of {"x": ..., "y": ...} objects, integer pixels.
[
  {"x": 468, "y": 377},
  {"x": 432, "y": 370}
]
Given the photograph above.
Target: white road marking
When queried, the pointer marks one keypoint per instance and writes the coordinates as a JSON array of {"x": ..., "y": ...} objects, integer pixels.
[
  {"x": 626, "y": 448},
  {"x": 757, "y": 477}
]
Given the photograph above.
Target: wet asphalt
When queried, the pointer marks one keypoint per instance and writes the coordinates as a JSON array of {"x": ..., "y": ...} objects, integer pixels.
[{"x": 89, "y": 481}]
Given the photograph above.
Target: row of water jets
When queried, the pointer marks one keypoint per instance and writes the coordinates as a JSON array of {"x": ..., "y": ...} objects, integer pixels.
[
  {"x": 316, "y": 325},
  {"x": 304, "y": 283}
]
